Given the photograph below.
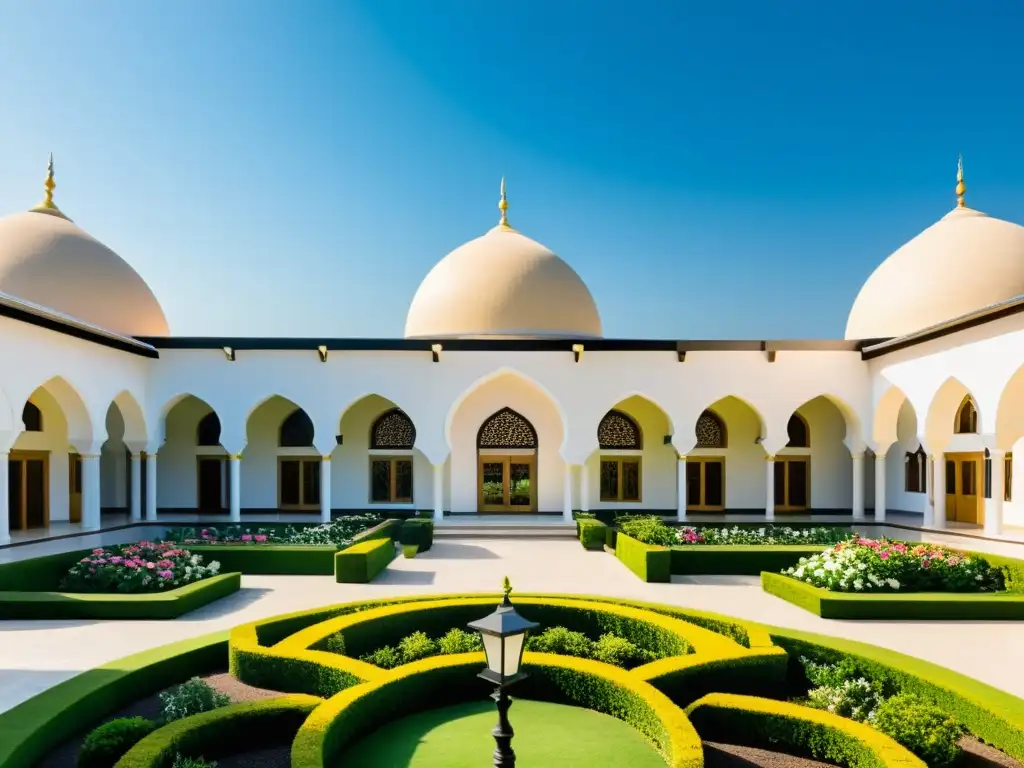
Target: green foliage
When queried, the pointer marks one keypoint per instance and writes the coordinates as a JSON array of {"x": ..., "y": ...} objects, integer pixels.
[
  {"x": 609, "y": 648},
  {"x": 650, "y": 563},
  {"x": 561, "y": 641},
  {"x": 648, "y": 530},
  {"x": 409, "y": 550},
  {"x": 591, "y": 533},
  {"x": 361, "y": 562},
  {"x": 105, "y": 745},
  {"x": 459, "y": 641},
  {"x": 612, "y": 649},
  {"x": 335, "y": 643},
  {"x": 417, "y": 531},
  {"x": 387, "y": 657},
  {"x": 923, "y": 728},
  {"x": 762, "y": 535},
  {"x": 417, "y": 646},
  {"x": 192, "y": 762},
  {"x": 191, "y": 698}
]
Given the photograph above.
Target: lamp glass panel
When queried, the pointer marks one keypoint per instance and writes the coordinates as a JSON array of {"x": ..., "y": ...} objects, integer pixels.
[
  {"x": 513, "y": 652},
  {"x": 492, "y": 647}
]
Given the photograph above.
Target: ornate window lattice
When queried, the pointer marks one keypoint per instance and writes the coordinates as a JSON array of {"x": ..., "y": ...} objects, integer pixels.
[
  {"x": 619, "y": 431},
  {"x": 966, "y": 418},
  {"x": 393, "y": 430},
  {"x": 208, "y": 431},
  {"x": 296, "y": 430},
  {"x": 710, "y": 431},
  {"x": 507, "y": 429},
  {"x": 799, "y": 434},
  {"x": 32, "y": 417}
]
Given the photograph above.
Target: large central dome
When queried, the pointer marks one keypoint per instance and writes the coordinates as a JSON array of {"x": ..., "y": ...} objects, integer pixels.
[{"x": 502, "y": 285}]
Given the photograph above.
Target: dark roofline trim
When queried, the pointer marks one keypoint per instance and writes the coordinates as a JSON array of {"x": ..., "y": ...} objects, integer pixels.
[
  {"x": 483, "y": 345},
  {"x": 873, "y": 349},
  {"x": 69, "y": 328}
]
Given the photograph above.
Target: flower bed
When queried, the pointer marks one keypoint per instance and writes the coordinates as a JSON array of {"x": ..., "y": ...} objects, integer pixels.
[
  {"x": 869, "y": 565},
  {"x": 337, "y": 533},
  {"x": 765, "y": 535},
  {"x": 137, "y": 568}
]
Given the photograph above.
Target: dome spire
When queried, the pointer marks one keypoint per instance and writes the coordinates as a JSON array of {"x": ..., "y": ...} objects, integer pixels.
[
  {"x": 48, "y": 206},
  {"x": 503, "y": 225},
  {"x": 960, "y": 186}
]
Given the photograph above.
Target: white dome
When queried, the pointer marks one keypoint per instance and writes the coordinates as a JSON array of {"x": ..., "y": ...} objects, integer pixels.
[
  {"x": 502, "y": 285},
  {"x": 964, "y": 262},
  {"x": 48, "y": 260}
]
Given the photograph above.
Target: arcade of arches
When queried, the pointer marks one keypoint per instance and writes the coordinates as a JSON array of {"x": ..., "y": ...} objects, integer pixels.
[{"x": 511, "y": 453}]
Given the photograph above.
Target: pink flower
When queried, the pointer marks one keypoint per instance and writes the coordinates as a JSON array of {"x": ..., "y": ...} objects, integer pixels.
[
  {"x": 884, "y": 555},
  {"x": 165, "y": 564},
  {"x": 117, "y": 560},
  {"x": 165, "y": 575},
  {"x": 246, "y": 537},
  {"x": 151, "y": 566},
  {"x": 926, "y": 563},
  {"x": 260, "y": 538},
  {"x": 131, "y": 564},
  {"x": 97, "y": 551}
]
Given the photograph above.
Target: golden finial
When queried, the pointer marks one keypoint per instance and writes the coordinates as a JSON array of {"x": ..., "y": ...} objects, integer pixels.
[
  {"x": 960, "y": 186},
  {"x": 48, "y": 206},
  {"x": 503, "y": 207}
]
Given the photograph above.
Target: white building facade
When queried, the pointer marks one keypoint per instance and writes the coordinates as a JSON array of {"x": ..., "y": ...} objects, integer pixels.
[{"x": 505, "y": 397}]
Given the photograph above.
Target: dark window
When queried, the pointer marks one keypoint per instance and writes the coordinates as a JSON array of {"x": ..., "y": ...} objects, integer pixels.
[
  {"x": 710, "y": 431},
  {"x": 300, "y": 482},
  {"x": 609, "y": 480},
  {"x": 966, "y": 418},
  {"x": 620, "y": 479},
  {"x": 714, "y": 486},
  {"x": 617, "y": 430},
  {"x": 32, "y": 417},
  {"x": 798, "y": 433},
  {"x": 506, "y": 429},
  {"x": 1008, "y": 477},
  {"x": 693, "y": 484},
  {"x": 950, "y": 478},
  {"x": 297, "y": 430},
  {"x": 391, "y": 480},
  {"x": 916, "y": 472},
  {"x": 393, "y": 430},
  {"x": 291, "y": 492},
  {"x": 208, "y": 431}
]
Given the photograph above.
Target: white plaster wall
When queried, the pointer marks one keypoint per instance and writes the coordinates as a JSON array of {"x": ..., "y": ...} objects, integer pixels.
[
  {"x": 177, "y": 483},
  {"x": 896, "y": 496},
  {"x": 831, "y": 466},
  {"x": 745, "y": 480},
  {"x": 506, "y": 391}
]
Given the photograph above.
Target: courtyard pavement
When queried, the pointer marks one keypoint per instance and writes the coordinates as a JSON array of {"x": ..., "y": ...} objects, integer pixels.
[{"x": 35, "y": 655}]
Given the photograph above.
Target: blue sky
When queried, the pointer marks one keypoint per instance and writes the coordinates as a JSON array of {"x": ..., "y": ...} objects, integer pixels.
[{"x": 712, "y": 170}]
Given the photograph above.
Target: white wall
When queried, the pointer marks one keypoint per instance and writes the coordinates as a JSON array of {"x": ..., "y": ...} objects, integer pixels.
[{"x": 53, "y": 440}]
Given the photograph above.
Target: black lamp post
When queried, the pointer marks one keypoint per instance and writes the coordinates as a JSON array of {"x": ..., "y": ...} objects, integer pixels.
[{"x": 504, "y": 635}]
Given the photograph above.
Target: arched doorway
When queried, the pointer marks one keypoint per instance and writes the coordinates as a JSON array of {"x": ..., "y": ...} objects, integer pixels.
[{"x": 507, "y": 463}]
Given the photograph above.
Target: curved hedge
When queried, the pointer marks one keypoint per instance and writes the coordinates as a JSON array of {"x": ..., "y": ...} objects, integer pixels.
[
  {"x": 223, "y": 732},
  {"x": 757, "y": 722},
  {"x": 443, "y": 680}
]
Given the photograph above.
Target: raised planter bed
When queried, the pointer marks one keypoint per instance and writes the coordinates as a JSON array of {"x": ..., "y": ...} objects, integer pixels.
[{"x": 947, "y": 606}]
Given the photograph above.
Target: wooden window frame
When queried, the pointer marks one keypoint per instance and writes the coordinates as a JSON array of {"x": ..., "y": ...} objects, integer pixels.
[
  {"x": 967, "y": 402},
  {"x": 392, "y": 477},
  {"x": 23, "y": 457},
  {"x": 920, "y": 459},
  {"x": 702, "y": 460},
  {"x": 1008, "y": 477},
  {"x": 497, "y": 456},
  {"x": 301, "y": 506},
  {"x": 620, "y": 460},
  {"x": 787, "y": 458}
]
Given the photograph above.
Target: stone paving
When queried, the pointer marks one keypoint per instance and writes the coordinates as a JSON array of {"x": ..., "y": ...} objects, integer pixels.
[{"x": 35, "y": 655}]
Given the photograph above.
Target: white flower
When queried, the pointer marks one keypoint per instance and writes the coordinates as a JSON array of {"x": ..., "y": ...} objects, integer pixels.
[
  {"x": 858, "y": 584},
  {"x": 893, "y": 584}
]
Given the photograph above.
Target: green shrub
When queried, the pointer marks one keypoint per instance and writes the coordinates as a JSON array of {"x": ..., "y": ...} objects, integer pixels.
[
  {"x": 335, "y": 643},
  {"x": 409, "y": 550},
  {"x": 417, "y": 531},
  {"x": 591, "y": 533},
  {"x": 385, "y": 658},
  {"x": 459, "y": 641},
  {"x": 106, "y": 744},
  {"x": 361, "y": 562},
  {"x": 652, "y": 563},
  {"x": 648, "y": 530},
  {"x": 192, "y": 762},
  {"x": 191, "y": 698},
  {"x": 922, "y": 728},
  {"x": 561, "y": 641},
  {"x": 416, "y": 646},
  {"x": 612, "y": 649}
]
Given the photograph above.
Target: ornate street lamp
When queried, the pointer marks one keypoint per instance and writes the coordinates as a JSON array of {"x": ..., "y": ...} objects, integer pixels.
[{"x": 504, "y": 635}]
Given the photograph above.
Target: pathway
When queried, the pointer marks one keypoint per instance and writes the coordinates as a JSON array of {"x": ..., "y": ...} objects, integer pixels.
[{"x": 35, "y": 655}]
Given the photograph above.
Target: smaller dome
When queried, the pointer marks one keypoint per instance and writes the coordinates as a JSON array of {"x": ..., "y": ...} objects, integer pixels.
[
  {"x": 502, "y": 285},
  {"x": 48, "y": 260}
]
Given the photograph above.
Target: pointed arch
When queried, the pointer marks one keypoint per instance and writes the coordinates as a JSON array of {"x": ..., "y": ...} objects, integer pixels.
[
  {"x": 392, "y": 430},
  {"x": 710, "y": 430},
  {"x": 799, "y": 432},
  {"x": 885, "y": 424},
  {"x": 81, "y": 429},
  {"x": 296, "y": 430},
  {"x": 943, "y": 410},
  {"x": 135, "y": 428},
  {"x": 966, "y": 420},
  {"x": 619, "y": 431},
  {"x": 508, "y": 430},
  {"x": 32, "y": 417}
]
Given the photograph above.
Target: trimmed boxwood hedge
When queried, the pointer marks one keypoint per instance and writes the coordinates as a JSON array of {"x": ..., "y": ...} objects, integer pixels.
[
  {"x": 33, "y": 728},
  {"x": 757, "y": 722},
  {"x": 592, "y": 533},
  {"x": 738, "y": 559},
  {"x": 444, "y": 680},
  {"x": 650, "y": 563},
  {"x": 169, "y": 604},
  {"x": 223, "y": 732},
  {"x": 418, "y": 531},
  {"x": 361, "y": 562},
  {"x": 946, "y": 606}
]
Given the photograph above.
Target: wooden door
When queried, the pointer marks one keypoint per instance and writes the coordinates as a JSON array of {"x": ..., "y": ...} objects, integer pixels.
[
  {"x": 507, "y": 484},
  {"x": 964, "y": 497},
  {"x": 28, "y": 494},
  {"x": 75, "y": 488},
  {"x": 705, "y": 483},
  {"x": 210, "y": 471},
  {"x": 15, "y": 502},
  {"x": 792, "y": 483}
]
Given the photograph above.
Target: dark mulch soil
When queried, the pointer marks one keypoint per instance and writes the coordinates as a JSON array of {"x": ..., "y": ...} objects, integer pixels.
[
  {"x": 731, "y": 756},
  {"x": 273, "y": 757},
  {"x": 65, "y": 755}
]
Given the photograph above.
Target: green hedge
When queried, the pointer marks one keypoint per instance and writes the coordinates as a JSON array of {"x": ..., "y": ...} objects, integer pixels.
[
  {"x": 223, "y": 732},
  {"x": 994, "y": 716},
  {"x": 445, "y": 680},
  {"x": 757, "y": 722},
  {"x": 591, "y": 533},
  {"x": 650, "y": 563},
  {"x": 33, "y": 728},
  {"x": 39, "y": 574},
  {"x": 946, "y": 606},
  {"x": 361, "y": 562},
  {"x": 738, "y": 560},
  {"x": 169, "y": 604},
  {"x": 418, "y": 531}
]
